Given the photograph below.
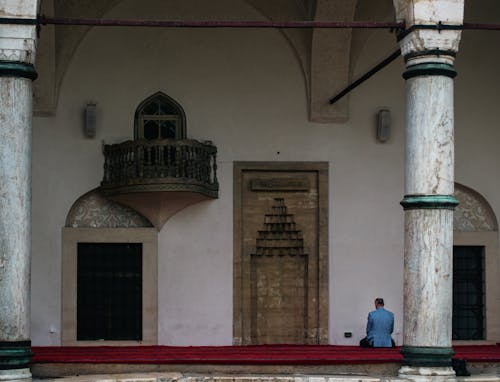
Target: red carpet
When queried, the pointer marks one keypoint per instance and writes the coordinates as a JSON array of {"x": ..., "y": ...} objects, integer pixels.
[{"x": 242, "y": 355}]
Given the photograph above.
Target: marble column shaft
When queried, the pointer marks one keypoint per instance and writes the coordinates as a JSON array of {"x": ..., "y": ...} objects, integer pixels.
[
  {"x": 428, "y": 232},
  {"x": 17, "y": 51},
  {"x": 429, "y": 53},
  {"x": 15, "y": 203},
  {"x": 15, "y": 227},
  {"x": 428, "y": 204}
]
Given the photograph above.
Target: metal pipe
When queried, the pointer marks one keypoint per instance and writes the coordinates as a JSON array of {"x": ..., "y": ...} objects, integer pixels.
[
  {"x": 396, "y": 54},
  {"x": 43, "y": 20},
  {"x": 366, "y": 76},
  {"x": 485, "y": 27},
  {"x": 17, "y": 21}
]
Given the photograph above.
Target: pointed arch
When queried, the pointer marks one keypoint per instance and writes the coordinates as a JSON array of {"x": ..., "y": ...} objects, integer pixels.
[{"x": 159, "y": 116}]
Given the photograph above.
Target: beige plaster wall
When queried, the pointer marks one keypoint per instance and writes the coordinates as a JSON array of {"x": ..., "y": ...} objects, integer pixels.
[{"x": 244, "y": 90}]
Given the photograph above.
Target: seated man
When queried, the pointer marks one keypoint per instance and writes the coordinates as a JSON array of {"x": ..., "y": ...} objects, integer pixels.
[{"x": 379, "y": 327}]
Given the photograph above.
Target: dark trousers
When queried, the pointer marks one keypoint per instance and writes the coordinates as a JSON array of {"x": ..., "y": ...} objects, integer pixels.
[{"x": 364, "y": 343}]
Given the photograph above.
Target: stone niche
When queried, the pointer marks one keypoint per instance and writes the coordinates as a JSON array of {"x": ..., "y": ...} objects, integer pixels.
[
  {"x": 280, "y": 253},
  {"x": 278, "y": 280}
]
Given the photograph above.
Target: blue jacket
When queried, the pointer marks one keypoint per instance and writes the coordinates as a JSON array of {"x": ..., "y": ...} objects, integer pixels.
[{"x": 379, "y": 328}]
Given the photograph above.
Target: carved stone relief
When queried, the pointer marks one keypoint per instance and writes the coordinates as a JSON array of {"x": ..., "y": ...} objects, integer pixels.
[
  {"x": 473, "y": 213},
  {"x": 279, "y": 280},
  {"x": 281, "y": 253},
  {"x": 93, "y": 210}
]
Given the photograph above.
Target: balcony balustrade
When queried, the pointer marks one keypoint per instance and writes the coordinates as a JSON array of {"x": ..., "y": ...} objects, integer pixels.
[{"x": 160, "y": 177}]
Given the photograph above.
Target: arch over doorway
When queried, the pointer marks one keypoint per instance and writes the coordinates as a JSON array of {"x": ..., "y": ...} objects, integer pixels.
[
  {"x": 475, "y": 227},
  {"x": 105, "y": 243},
  {"x": 474, "y": 213},
  {"x": 93, "y": 210}
]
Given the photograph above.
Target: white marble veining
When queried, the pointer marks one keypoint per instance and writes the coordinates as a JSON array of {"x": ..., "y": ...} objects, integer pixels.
[
  {"x": 429, "y": 11},
  {"x": 427, "y": 374},
  {"x": 429, "y": 170},
  {"x": 428, "y": 278},
  {"x": 429, "y": 136},
  {"x": 422, "y": 40},
  {"x": 17, "y": 44},
  {"x": 15, "y": 203},
  {"x": 15, "y": 375}
]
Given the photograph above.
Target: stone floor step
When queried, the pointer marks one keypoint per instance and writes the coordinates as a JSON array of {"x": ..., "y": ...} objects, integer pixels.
[{"x": 178, "y": 377}]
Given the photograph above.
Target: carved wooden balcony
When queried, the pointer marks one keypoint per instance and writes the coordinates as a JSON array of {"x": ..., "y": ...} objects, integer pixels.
[{"x": 160, "y": 177}]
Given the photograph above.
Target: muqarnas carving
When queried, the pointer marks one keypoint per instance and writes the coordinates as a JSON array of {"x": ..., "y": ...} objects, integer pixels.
[{"x": 279, "y": 280}]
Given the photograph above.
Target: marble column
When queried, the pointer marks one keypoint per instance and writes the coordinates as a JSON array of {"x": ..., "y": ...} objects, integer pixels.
[
  {"x": 17, "y": 51},
  {"x": 429, "y": 53}
]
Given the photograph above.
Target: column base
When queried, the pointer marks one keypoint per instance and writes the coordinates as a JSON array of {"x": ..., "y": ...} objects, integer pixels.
[
  {"x": 427, "y": 356},
  {"x": 427, "y": 374},
  {"x": 15, "y": 355},
  {"x": 15, "y": 375}
]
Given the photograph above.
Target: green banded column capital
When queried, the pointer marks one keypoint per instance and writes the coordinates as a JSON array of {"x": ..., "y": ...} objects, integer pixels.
[
  {"x": 429, "y": 202},
  {"x": 17, "y": 69},
  {"x": 430, "y": 69}
]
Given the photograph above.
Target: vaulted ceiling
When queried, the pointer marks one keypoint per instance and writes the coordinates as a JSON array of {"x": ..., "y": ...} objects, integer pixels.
[{"x": 325, "y": 55}]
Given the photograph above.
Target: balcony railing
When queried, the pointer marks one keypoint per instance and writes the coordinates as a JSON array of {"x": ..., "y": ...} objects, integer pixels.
[{"x": 160, "y": 165}]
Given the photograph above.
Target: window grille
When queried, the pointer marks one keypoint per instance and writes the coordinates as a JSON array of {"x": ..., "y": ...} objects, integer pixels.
[
  {"x": 109, "y": 291},
  {"x": 468, "y": 293}
]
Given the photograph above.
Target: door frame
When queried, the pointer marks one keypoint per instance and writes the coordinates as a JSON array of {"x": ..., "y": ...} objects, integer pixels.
[
  {"x": 321, "y": 169},
  {"x": 488, "y": 240}
]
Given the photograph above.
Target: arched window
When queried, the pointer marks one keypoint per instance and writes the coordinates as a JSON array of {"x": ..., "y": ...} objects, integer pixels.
[{"x": 160, "y": 117}]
